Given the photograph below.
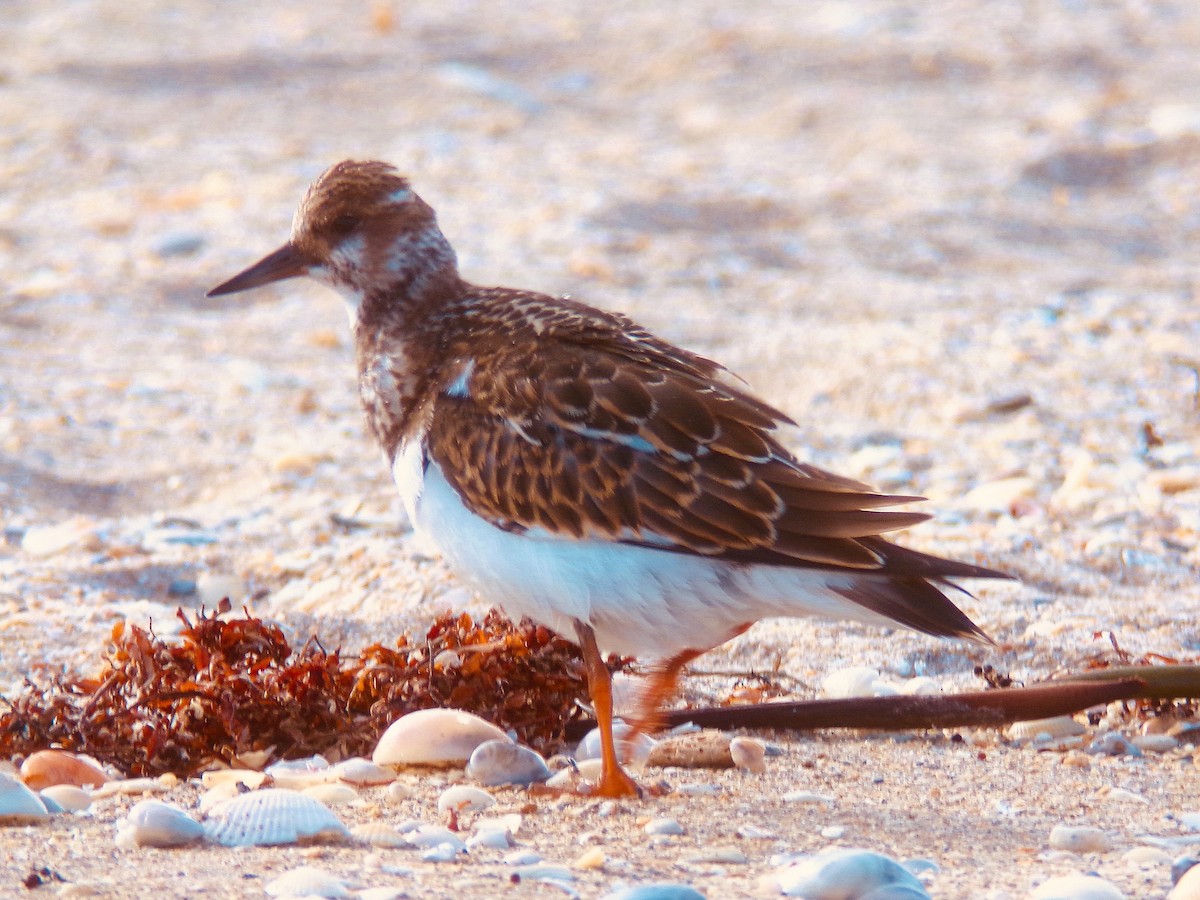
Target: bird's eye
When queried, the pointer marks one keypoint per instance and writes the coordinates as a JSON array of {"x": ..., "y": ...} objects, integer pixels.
[{"x": 344, "y": 224}]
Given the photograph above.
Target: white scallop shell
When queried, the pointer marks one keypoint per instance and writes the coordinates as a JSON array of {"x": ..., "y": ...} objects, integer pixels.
[
  {"x": 152, "y": 823},
  {"x": 18, "y": 804},
  {"x": 434, "y": 737},
  {"x": 271, "y": 817}
]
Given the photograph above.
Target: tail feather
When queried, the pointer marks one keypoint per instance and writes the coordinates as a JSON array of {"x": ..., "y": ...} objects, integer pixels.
[{"x": 915, "y": 602}]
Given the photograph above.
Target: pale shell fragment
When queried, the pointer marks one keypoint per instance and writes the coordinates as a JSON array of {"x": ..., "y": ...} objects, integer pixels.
[
  {"x": 297, "y": 774},
  {"x": 331, "y": 794},
  {"x": 464, "y": 798},
  {"x": 658, "y": 890},
  {"x": 427, "y": 836},
  {"x": 250, "y": 778},
  {"x": 492, "y": 838},
  {"x": 68, "y": 796},
  {"x": 362, "y": 772},
  {"x": 307, "y": 881},
  {"x": 495, "y": 763},
  {"x": 1079, "y": 839},
  {"x": 271, "y": 817},
  {"x": 663, "y": 826},
  {"x": 584, "y": 770},
  {"x": 1045, "y": 729},
  {"x": 1188, "y": 886},
  {"x": 845, "y": 872},
  {"x": 1077, "y": 887},
  {"x": 592, "y": 858},
  {"x": 18, "y": 804},
  {"x": 853, "y": 681},
  {"x": 131, "y": 786},
  {"x": 152, "y": 823},
  {"x": 434, "y": 737},
  {"x": 46, "y": 768}
]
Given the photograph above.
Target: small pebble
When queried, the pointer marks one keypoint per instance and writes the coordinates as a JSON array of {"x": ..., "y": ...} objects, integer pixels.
[
  {"x": 152, "y": 823},
  {"x": 833, "y": 832},
  {"x": 706, "y": 749},
  {"x": 1079, "y": 839},
  {"x": 398, "y": 792},
  {"x": 545, "y": 872},
  {"x": 1077, "y": 887},
  {"x": 846, "y": 873},
  {"x": 748, "y": 755},
  {"x": 495, "y": 763},
  {"x": 180, "y": 244},
  {"x": 633, "y": 752},
  {"x": 659, "y": 890},
  {"x": 307, "y": 881},
  {"x": 663, "y": 826},
  {"x": 805, "y": 797},
  {"x": 1113, "y": 743}
]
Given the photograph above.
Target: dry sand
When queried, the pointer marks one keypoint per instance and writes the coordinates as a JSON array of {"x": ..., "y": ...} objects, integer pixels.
[{"x": 890, "y": 219}]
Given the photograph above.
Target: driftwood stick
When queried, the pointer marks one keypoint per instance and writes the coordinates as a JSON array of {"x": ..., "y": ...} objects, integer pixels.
[{"x": 977, "y": 708}]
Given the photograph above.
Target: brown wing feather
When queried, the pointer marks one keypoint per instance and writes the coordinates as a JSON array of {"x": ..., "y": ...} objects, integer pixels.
[{"x": 615, "y": 434}]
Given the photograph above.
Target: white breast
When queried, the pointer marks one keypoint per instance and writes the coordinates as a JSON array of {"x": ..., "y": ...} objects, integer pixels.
[{"x": 640, "y": 601}]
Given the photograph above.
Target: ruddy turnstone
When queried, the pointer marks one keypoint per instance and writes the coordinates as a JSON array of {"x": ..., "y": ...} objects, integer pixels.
[{"x": 577, "y": 469}]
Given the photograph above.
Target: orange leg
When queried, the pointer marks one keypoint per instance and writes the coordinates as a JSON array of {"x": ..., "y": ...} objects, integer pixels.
[
  {"x": 614, "y": 781},
  {"x": 661, "y": 687}
]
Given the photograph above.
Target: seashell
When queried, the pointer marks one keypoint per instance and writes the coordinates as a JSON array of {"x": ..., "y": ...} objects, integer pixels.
[
  {"x": 152, "y": 823},
  {"x": 427, "y": 836},
  {"x": 307, "y": 881},
  {"x": 271, "y": 817},
  {"x": 1077, "y": 887},
  {"x": 494, "y": 763},
  {"x": 1155, "y": 743},
  {"x": 434, "y": 737},
  {"x": 1112, "y": 743},
  {"x": 297, "y": 774},
  {"x": 493, "y": 838},
  {"x": 1045, "y": 729},
  {"x": 220, "y": 777},
  {"x": 219, "y": 794},
  {"x": 696, "y": 789},
  {"x": 1146, "y": 858},
  {"x": 724, "y": 856},
  {"x": 584, "y": 770},
  {"x": 1188, "y": 885},
  {"x": 378, "y": 834},
  {"x": 663, "y": 826},
  {"x": 331, "y": 794},
  {"x": 592, "y": 858},
  {"x": 1079, "y": 839},
  {"x": 18, "y": 804},
  {"x": 633, "y": 747},
  {"x": 545, "y": 872},
  {"x": 464, "y": 798},
  {"x": 510, "y": 822},
  {"x": 46, "y": 768},
  {"x": 68, "y": 797},
  {"x": 47, "y": 540},
  {"x": 362, "y": 772},
  {"x": 854, "y": 681},
  {"x": 131, "y": 786},
  {"x": 522, "y": 858},
  {"x": 442, "y": 853},
  {"x": 846, "y": 872},
  {"x": 398, "y": 792},
  {"x": 805, "y": 797},
  {"x": 658, "y": 890},
  {"x": 749, "y": 755}
]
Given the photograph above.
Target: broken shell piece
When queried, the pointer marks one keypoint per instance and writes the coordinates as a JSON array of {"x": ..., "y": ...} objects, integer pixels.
[
  {"x": 46, "y": 768},
  {"x": 219, "y": 777},
  {"x": 633, "y": 747},
  {"x": 434, "y": 737},
  {"x": 464, "y": 798},
  {"x": 271, "y": 817},
  {"x": 152, "y": 823},
  {"x": 18, "y": 804},
  {"x": 1045, "y": 729},
  {"x": 361, "y": 772},
  {"x": 307, "y": 881}
]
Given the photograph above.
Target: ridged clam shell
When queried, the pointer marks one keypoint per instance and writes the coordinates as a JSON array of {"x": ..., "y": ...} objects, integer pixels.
[
  {"x": 271, "y": 817},
  {"x": 379, "y": 834},
  {"x": 1055, "y": 727},
  {"x": 18, "y": 804},
  {"x": 434, "y": 737}
]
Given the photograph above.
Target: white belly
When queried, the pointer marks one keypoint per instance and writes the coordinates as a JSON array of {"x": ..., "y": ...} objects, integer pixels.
[{"x": 639, "y": 601}]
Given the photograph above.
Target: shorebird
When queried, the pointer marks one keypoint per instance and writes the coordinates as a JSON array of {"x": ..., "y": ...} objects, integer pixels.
[{"x": 579, "y": 470}]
